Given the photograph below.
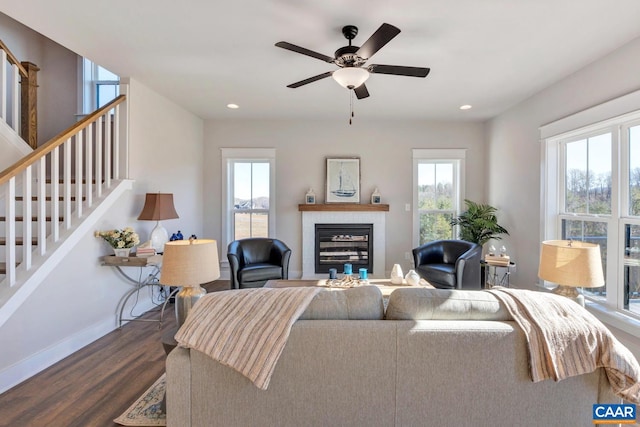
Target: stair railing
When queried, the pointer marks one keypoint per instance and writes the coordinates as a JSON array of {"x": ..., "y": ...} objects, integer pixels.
[
  {"x": 18, "y": 95},
  {"x": 89, "y": 156}
]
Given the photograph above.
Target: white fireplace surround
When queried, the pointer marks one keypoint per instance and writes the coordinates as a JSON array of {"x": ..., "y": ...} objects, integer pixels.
[{"x": 311, "y": 218}]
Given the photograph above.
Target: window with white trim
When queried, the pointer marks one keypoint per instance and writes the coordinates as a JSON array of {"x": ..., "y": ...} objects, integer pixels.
[
  {"x": 99, "y": 86},
  {"x": 249, "y": 187},
  {"x": 592, "y": 194},
  {"x": 438, "y": 192}
]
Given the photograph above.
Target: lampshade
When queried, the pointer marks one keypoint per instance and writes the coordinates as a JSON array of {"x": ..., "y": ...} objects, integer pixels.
[
  {"x": 571, "y": 263},
  {"x": 350, "y": 77},
  {"x": 158, "y": 207},
  {"x": 190, "y": 262}
]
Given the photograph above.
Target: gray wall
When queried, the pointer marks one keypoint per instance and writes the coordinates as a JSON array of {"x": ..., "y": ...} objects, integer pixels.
[
  {"x": 57, "y": 78},
  {"x": 514, "y": 148},
  {"x": 384, "y": 148}
]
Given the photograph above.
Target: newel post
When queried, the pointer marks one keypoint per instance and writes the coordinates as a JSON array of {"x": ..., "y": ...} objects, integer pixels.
[{"x": 29, "y": 104}]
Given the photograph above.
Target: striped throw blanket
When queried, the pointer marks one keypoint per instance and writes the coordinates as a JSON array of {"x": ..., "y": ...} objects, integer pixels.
[
  {"x": 245, "y": 329},
  {"x": 566, "y": 340}
]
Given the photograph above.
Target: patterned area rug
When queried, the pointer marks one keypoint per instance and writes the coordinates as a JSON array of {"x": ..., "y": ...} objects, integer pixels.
[{"x": 147, "y": 410}]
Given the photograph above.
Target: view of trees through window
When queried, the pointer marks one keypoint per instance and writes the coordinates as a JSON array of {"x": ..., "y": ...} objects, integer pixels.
[
  {"x": 588, "y": 203},
  {"x": 436, "y": 200}
]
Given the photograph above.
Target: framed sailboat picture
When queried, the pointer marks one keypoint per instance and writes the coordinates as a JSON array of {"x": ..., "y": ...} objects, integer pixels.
[{"x": 343, "y": 180}]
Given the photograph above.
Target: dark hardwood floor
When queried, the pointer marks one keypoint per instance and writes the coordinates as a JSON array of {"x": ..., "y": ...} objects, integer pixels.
[{"x": 97, "y": 383}]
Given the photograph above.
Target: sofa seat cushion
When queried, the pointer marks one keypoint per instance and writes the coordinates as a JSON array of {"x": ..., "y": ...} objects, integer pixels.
[
  {"x": 444, "y": 304},
  {"x": 259, "y": 272},
  {"x": 439, "y": 274},
  {"x": 361, "y": 303}
]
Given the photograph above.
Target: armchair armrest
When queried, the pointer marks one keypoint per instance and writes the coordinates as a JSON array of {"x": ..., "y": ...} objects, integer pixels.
[
  {"x": 468, "y": 269},
  {"x": 280, "y": 255},
  {"x": 236, "y": 262}
]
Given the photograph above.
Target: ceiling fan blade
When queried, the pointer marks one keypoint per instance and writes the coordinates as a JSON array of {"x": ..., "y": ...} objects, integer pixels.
[
  {"x": 399, "y": 70},
  {"x": 302, "y": 50},
  {"x": 361, "y": 91},
  {"x": 381, "y": 37},
  {"x": 310, "y": 80}
]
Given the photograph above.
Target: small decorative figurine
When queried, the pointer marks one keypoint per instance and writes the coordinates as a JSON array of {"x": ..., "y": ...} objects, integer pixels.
[{"x": 310, "y": 197}]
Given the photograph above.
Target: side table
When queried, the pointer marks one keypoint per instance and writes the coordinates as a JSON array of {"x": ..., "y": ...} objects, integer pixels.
[{"x": 495, "y": 274}]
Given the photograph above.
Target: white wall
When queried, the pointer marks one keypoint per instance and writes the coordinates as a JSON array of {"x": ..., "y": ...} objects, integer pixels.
[
  {"x": 514, "y": 156},
  {"x": 77, "y": 303},
  {"x": 57, "y": 78},
  {"x": 384, "y": 148}
]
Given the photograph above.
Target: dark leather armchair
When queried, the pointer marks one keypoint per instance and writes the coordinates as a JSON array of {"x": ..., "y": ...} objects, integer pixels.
[
  {"x": 256, "y": 260},
  {"x": 449, "y": 264}
]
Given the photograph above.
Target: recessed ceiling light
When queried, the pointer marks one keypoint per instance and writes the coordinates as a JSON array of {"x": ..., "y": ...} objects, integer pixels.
[
  {"x": 465, "y": 107},
  {"x": 233, "y": 106}
]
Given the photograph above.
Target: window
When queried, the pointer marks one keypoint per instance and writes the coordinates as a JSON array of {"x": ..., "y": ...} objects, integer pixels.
[
  {"x": 592, "y": 194},
  {"x": 438, "y": 193},
  {"x": 250, "y": 193},
  {"x": 99, "y": 86}
]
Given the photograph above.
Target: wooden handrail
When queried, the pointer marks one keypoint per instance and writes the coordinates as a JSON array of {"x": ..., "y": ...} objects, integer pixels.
[
  {"x": 56, "y": 141},
  {"x": 12, "y": 59}
]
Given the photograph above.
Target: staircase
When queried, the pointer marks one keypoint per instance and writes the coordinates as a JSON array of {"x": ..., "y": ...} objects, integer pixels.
[{"x": 48, "y": 198}]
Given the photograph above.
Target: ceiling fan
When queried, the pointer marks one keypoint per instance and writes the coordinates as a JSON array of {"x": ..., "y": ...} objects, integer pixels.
[{"x": 351, "y": 59}]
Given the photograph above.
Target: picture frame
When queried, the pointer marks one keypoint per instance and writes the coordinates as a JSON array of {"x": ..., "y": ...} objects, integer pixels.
[
  {"x": 343, "y": 180},
  {"x": 310, "y": 197}
]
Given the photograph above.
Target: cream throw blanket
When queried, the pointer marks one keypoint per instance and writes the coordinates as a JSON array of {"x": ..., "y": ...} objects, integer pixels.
[
  {"x": 566, "y": 340},
  {"x": 245, "y": 329}
]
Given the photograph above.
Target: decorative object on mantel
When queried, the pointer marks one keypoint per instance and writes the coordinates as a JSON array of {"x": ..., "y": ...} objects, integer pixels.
[
  {"x": 310, "y": 197},
  {"x": 121, "y": 241},
  {"x": 189, "y": 263},
  {"x": 158, "y": 207},
  {"x": 343, "y": 180},
  {"x": 571, "y": 264},
  {"x": 375, "y": 197},
  {"x": 396, "y": 275}
]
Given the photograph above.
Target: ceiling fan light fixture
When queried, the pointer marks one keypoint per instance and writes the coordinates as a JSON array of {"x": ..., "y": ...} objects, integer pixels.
[{"x": 350, "y": 77}]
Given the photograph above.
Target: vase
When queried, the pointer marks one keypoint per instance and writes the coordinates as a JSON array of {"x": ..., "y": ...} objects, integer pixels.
[
  {"x": 412, "y": 278},
  {"x": 122, "y": 252},
  {"x": 396, "y": 275}
]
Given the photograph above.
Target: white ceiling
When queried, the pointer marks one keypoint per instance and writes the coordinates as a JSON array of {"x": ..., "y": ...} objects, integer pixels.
[{"x": 204, "y": 54}]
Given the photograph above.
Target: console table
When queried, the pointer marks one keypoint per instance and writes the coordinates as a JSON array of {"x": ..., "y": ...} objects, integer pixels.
[{"x": 151, "y": 280}]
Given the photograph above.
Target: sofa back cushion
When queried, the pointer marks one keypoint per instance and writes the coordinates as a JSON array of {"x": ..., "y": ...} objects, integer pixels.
[
  {"x": 361, "y": 303},
  {"x": 444, "y": 304}
]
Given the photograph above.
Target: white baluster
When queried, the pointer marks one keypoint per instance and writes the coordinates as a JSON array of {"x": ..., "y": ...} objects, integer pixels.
[
  {"x": 79, "y": 177},
  {"x": 15, "y": 98},
  {"x": 89, "y": 167},
  {"x": 98, "y": 178},
  {"x": 107, "y": 150},
  {"x": 27, "y": 214},
  {"x": 55, "y": 193},
  {"x": 116, "y": 143},
  {"x": 42, "y": 206},
  {"x": 3, "y": 85},
  {"x": 10, "y": 231},
  {"x": 66, "y": 184}
]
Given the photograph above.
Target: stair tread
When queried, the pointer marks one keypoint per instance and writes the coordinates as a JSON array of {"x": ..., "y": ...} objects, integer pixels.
[
  {"x": 47, "y": 198},
  {"x": 33, "y": 219},
  {"x": 19, "y": 241}
]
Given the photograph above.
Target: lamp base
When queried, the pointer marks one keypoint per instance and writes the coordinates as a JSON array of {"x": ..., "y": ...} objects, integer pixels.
[
  {"x": 159, "y": 237},
  {"x": 571, "y": 293},
  {"x": 185, "y": 299}
]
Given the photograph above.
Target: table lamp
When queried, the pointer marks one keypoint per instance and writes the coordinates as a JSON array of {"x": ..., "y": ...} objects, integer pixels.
[
  {"x": 189, "y": 263},
  {"x": 158, "y": 207},
  {"x": 571, "y": 264}
]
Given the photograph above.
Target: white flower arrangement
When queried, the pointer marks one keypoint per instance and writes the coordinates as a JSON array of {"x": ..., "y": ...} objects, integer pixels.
[{"x": 120, "y": 239}]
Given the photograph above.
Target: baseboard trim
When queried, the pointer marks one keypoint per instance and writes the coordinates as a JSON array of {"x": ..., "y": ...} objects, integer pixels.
[{"x": 38, "y": 362}]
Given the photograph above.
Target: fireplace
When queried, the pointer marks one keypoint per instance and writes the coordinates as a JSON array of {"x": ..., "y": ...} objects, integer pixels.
[
  {"x": 343, "y": 213},
  {"x": 337, "y": 244}
]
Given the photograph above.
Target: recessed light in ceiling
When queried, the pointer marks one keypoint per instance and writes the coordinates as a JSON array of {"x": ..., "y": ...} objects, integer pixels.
[
  {"x": 233, "y": 106},
  {"x": 465, "y": 107}
]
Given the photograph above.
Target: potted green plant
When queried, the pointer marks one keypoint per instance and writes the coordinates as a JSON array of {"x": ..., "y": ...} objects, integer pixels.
[{"x": 479, "y": 223}]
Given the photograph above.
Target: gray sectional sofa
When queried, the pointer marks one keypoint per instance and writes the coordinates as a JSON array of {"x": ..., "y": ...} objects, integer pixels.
[{"x": 439, "y": 358}]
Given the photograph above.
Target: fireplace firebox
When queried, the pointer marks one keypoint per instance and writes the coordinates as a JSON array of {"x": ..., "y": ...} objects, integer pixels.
[{"x": 338, "y": 244}]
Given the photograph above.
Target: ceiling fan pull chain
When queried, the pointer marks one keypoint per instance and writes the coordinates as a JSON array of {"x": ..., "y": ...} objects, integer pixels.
[{"x": 351, "y": 105}]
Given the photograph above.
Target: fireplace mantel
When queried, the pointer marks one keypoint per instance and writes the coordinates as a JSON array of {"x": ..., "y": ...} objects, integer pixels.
[{"x": 343, "y": 207}]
